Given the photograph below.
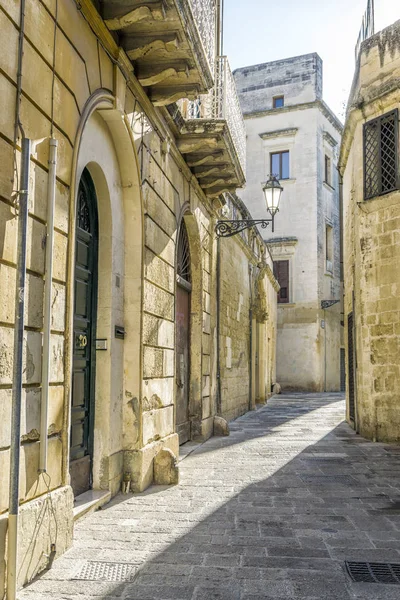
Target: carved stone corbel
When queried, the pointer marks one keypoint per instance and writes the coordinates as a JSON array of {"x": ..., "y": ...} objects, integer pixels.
[
  {"x": 143, "y": 51},
  {"x": 134, "y": 16}
]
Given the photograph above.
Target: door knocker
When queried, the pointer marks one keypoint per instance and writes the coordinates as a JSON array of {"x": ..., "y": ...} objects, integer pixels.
[{"x": 82, "y": 339}]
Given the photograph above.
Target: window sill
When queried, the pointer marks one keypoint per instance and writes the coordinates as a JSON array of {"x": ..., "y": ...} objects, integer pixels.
[
  {"x": 283, "y": 181},
  {"x": 328, "y": 274},
  {"x": 286, "y": 304},
  {"x": 328, "y": 187},
  {"x": 379, "y": 202},
  {"x": 329, "y": 268}
]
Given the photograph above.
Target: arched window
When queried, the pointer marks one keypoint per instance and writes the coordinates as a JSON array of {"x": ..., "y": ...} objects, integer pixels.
[{"x": 183, "y": 259}]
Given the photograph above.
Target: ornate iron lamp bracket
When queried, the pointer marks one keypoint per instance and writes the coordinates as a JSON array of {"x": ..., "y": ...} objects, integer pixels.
[{"x": 227, "y": 228}]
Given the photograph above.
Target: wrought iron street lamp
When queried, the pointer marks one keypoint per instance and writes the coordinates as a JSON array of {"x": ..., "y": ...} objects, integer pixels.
[{"x": 272, "y": 192}]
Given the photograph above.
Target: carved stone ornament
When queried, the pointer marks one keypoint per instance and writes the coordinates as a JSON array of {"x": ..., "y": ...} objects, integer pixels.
[{"x": 259, "y": 305}]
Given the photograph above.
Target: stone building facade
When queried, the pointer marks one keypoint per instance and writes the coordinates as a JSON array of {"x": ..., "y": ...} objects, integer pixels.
[
  {"x": 369, "y": 163},
  {"x": 293, "y": 134},
  {"x": 135, "y": 322}
]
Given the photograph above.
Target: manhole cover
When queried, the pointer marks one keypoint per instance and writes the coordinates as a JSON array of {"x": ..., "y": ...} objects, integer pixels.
[
  {"x": 371, "y": 572},
  {"x": 106, "y": 571},
  {"x": 328, "y": 479}
]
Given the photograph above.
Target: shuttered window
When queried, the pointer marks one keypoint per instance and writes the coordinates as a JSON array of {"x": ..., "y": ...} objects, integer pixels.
[{"x": 281, "y": 272}]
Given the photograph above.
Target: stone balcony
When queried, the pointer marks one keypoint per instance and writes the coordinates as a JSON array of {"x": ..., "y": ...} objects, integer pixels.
[
  {"x": 171, "y": 44},
  {"x": 212, "y": 134}
]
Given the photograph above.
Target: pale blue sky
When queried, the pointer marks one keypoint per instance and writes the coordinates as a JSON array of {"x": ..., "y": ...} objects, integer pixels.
[{"x": 257, "y": 31}]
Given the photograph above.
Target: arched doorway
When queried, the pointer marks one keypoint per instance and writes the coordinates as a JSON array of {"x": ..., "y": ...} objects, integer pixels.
[
  {"x": 182, "y": 319},
  {"x": 84, "y": 336}
]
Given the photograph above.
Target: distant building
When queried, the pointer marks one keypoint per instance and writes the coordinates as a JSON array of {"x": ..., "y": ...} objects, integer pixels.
[
  {"x": 369, "y": 163},
  {"x": 293, "y": 134}
]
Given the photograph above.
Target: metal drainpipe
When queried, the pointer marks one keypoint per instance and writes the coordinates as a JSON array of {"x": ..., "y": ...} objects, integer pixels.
[
  {"x": 325, "y": 349},
  {"x": 251, "y": 342},
  {"x": 219, "y": 398},
  {"x": 44, "y": 405},
  {"x": 17, "y": 373}
]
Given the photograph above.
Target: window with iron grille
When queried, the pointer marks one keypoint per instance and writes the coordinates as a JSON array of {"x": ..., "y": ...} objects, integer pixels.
[{"x": 381, "y": 155}]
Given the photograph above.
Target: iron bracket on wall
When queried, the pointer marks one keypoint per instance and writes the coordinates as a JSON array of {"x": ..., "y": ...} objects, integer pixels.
[
  {"x": 328, "y": 303},
  {"x": 227, "y": 228}
]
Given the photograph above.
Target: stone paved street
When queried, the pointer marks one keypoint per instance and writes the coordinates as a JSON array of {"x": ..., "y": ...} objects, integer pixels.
[{"x": 270, "y": 512}]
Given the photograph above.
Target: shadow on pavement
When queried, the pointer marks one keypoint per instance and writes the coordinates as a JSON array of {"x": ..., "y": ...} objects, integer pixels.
[{"x": 271, "y": 516}]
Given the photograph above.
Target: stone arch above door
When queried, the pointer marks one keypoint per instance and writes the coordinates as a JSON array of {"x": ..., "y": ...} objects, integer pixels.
[{"x": 105, "y": 147}]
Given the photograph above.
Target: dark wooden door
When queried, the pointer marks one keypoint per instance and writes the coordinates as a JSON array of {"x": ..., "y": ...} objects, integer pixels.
[
  {"x": 84, "y": 354},
  {"x": 182, "y": 322},
  {"x": 350, "y": 366},
  {"x": 182, "y": 363},
  {"x": 342, "y": 370},
  {"x": 257, "y": 362}
]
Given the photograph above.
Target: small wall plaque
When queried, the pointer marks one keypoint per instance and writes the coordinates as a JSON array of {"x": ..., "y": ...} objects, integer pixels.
[{"x": 101, "y": 344}]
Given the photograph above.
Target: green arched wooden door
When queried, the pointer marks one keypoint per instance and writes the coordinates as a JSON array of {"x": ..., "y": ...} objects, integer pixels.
[{"x": 84, "y": 351}]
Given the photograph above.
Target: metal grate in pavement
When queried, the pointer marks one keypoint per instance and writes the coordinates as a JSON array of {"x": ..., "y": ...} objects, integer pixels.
[
  {"x": 328, "y": 479},
  {"x": 324, "y": 460},
  {"x": 106, "y": 571},
  {"x": 371, "y": 572}
]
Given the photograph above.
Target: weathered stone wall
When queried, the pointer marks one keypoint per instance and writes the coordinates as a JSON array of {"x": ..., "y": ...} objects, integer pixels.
[
  {"x": 299, "y": 79},
  {"x": 328, "y": 215},
  {"x": 371, "y": 247},
  {"x": 144, "y": 189},
  {"x": 235, "y": 330},
  {"x": 248, "y": 315},
  {"x": 308, "y": 353}
]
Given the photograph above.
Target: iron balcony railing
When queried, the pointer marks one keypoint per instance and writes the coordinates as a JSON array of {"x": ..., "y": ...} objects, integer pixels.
[
  {"x": 222, "y": 102},
  {"x": 367, "y": 26},
  {"x": 204, "y": 12}
]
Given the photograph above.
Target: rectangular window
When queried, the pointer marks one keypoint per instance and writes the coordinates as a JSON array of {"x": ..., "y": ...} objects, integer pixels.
[
  {"x": 328, "y": 178},
  {"x": 278, "y": 101},
  {"x": 381, "y": 155},
  {"x": 280, "y": 164},
  {"x": 329, "y": 248},
  {"x": 281, "y": 273}
]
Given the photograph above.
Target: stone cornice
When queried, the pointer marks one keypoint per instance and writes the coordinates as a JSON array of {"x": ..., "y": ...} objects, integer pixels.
[
  {"x": 320, "y": 104},
  {"x": 329, "y": 139},
  {"x": 279, "y": 133},
  {"x": 283, "y": 241}
]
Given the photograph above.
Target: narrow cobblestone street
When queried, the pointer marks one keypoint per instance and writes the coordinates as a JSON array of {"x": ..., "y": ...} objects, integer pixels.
[{"x": 270, "y": 512}]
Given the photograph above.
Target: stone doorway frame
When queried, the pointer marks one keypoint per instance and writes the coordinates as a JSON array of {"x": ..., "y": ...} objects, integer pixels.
[
  {"x": 196, "y": 321},
  {"x": 102, "y": 104}
]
